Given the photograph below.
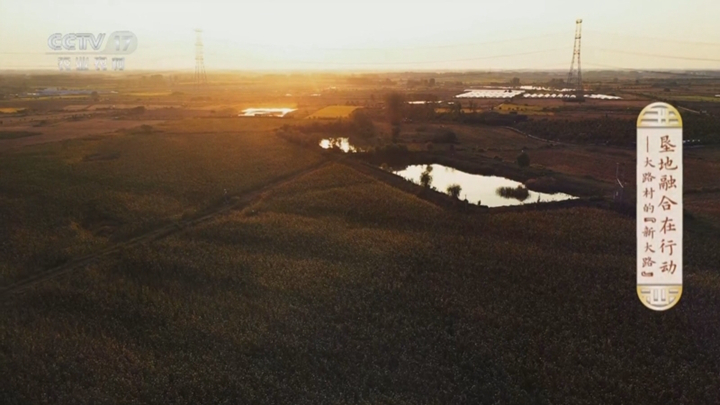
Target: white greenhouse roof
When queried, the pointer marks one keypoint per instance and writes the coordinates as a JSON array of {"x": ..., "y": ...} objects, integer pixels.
[{"x": 498, "y": 93}]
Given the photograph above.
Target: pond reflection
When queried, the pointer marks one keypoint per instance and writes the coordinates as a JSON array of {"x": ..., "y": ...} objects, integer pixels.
[
  {"x": 477, "y": 188},
  {"x": 340, "y": 143}
]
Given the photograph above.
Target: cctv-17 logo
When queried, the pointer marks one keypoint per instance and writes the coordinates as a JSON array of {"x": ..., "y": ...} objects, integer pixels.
[{"x": 83, "y": 44}]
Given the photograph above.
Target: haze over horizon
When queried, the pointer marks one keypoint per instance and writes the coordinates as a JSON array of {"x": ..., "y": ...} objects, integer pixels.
[{"x": 422, "y": 35}]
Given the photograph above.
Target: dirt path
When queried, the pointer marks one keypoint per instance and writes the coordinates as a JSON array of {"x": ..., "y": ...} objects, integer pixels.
[
  {"x": 533, "y": 136},
  {"x": 236, "y": 202}
]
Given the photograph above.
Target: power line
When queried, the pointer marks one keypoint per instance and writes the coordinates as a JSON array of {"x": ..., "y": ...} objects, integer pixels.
[
  {"x": 665, "y": 72},
  {"x": 391, "y": 47},
  {"x": 200, "y": 76},
  {"x": 654, "y": 39},
  {"x": 656, "y": 55},
  {"x": 414, "y": 62},
  {"x": 390, "y": 50}
]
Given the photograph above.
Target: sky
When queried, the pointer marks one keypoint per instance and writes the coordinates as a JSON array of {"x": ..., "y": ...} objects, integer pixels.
[{"x": 374, "y": 35}]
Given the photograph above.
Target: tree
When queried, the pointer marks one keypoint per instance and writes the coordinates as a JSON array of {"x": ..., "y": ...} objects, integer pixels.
[
  {"x": 454, "y": 190},
  {"x": 394, "y": 103},
  {"x": 523, "y": 160},
  {"x": 447, "y": 136},
  {"x": 515, "y": 81},
  {"x": 557, "y": 83},
  {"x": 431, "y": 83},
  {"x": 426, "y": 177},
  {"x": 394, "y": 106},
  {"x": 95, "y": 96},
  {"x": 362, "y": 124},
  {"x": 455, "y": 110},
  {"x": 473, "y": 106},
  {"x": 395, "y": 132}
]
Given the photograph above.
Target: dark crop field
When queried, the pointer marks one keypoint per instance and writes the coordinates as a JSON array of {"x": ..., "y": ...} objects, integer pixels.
[
  {"x": 64, "y": 200},
  {"x": 335, "y": 288},
  {"x": 129, "y": 276}
]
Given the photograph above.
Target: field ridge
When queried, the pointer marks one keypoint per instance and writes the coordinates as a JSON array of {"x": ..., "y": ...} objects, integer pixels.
[{"x": 241, "y": 201}]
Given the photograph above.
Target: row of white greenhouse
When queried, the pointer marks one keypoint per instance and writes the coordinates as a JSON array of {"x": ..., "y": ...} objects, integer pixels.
[
  {"x": 553, "y": 95},
  {"x": 547, "y": 95},
  {"x": 490, "y": 94},
  {"x": 508, "y": 93},
  {"x": 603, "y": 97}
]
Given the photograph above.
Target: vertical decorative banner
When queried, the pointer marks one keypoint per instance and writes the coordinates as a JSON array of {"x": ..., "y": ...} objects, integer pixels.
[{"x": 659, "y": 206}]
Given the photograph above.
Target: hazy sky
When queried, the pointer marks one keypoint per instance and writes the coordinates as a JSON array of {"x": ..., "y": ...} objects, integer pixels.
[{"x": 387, "y": 35}]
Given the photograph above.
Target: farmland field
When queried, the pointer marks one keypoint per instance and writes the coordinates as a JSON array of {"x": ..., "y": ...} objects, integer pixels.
[
  {"x": 523, "y": 108},
  {"x": 77, "y": 107},
  {"x": 16, "y": 134},
  {"x": 10, "y": 110},
  {"x": 704, "y": 205},
  {"x": 67, "y": 130},
  {"x": 337, "y": 288},
  {"x": 528, "y": 112},
  {"x": 588, "y": 161},
  {"x": 697, "y": 98},
  {"x": 335, "y": 111},
  {"x": 492, "y": 138},
  {"x": 119, "y": 106},
  {"x": 81, "y": 194},
  {"x": 179, "y": 253},
  {"x": 702, "y": 168},
  {"x": 149, "y": 94}
]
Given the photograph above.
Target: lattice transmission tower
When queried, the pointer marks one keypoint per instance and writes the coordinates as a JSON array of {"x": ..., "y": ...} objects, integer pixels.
[
  {"x": 200, "y": 77},
  {"x": 574, "y": 79}
]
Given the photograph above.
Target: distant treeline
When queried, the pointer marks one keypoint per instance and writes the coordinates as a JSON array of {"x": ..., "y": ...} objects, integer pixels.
[
  {"x": 427, "y": 112},
  {"x": 359, "y": 123}
]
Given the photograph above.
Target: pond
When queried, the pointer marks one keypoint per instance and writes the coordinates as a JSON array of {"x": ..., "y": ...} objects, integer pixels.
[
  {"x": 266, "y": 112},
  {"x": 475, "y": 187},
  {"x": 341, "y": 143}
]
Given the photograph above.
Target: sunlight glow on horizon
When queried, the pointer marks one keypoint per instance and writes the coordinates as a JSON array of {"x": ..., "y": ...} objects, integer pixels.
[{"x": 420, "y": 35}]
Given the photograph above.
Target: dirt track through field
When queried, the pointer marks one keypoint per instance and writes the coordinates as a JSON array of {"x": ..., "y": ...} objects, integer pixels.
[{"x": 236, "y": 202}]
